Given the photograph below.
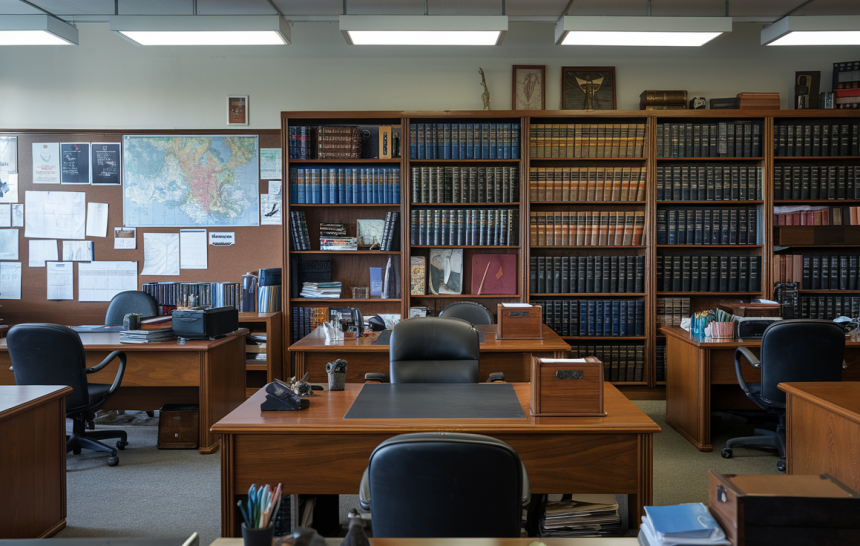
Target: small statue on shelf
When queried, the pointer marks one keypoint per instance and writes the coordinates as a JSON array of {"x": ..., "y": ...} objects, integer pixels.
[{"x": 485, "y": 96}]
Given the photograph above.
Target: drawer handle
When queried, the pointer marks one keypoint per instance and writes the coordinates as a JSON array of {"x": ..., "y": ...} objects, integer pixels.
[{"x": 568, "y": 374}]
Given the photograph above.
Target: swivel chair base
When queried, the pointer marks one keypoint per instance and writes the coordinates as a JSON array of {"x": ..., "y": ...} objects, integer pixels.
[
  {"x": 81, "y": 439},
  {"x": 763, "y": 438}
]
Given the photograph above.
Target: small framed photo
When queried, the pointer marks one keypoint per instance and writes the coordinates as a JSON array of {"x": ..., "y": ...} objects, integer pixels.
[
  {"x": 237, "y": 110},
  {"x": 529, "y": 87},
  {"x": 588, "y": 88}
]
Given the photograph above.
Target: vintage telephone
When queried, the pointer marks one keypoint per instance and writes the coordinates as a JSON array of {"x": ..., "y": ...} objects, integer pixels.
[{"x": 279, "y": 397}]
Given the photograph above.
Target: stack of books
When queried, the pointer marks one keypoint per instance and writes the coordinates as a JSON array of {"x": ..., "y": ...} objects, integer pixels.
[
  {"x": 758, "y": 101},
  {"x": 333, "y": 237},
  {"x": 582, "y": 516},
  {"x": 681, "y": 524},
  {"x": 305, "y": 320},
  {"x": 147, "y": 336},
  {"x": 321, "y": 289},
  {"x": 663, "y": 100},
  {"x": 846, "y": 85}
]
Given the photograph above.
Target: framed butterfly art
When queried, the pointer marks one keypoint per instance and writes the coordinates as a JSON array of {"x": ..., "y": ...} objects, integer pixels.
[{"x": 529, "y": 91}]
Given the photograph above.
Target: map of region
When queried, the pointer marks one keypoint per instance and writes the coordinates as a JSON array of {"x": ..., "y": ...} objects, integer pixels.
[{"x": 177, "y": 181}]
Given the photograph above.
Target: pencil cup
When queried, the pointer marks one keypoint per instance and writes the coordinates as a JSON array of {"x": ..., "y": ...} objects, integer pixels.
[
  {"x": 336, "y": 381},
  {"x": 722, "y": 329},
  {"x": 258, "y": 537}
]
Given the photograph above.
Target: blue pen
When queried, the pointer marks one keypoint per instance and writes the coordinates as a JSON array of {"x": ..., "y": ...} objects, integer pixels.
[
  {"x": 252, "y": 497},
  {"x": 244, "y": 514}
]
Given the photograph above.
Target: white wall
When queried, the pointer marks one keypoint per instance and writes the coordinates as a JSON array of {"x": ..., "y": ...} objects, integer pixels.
[{"x": 106, "y": 82}]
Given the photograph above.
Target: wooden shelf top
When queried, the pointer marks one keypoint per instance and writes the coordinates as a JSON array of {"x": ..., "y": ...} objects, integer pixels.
[
  {"x": 542, "y": 159},
  {"x": 505, "y": 204},
  {"x": 717, "y": 203},
  {"x": 619, "y": 203},
  {"x": 462, "y": 161},
  {"x": 395, "y": 161},
  {"x": 590, "y": 246},
  {"x": 488, "y": 247},
  {"x": 348, "y": 205},
  {"x": 815, "y": 157},
  {"x": 345, "y": 252},
  {"x": 256, "y": 317},
  {"x": 837, "y": 202},
  {"x": 464, "y": 296},
  {"x": 604, "y": 338},
  {"x": 587, "y": 294},
  {"x": 817, "y": 291},
  {"x": 346, "y": 300},
  {"x": 710, "y": 246},
  {"x": 699, "y": 159},
  {"x": 684, "y": 293}
]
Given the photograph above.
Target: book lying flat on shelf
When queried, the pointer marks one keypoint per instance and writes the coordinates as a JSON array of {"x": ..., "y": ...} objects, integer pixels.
[{"x": 321, "y": 289}]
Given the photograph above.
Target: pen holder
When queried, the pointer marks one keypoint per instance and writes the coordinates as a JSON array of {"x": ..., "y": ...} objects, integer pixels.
[
  {"x": 336, "y": 381},
  {"x": 722, "y": 329},
  {"x": 258, "y": 537}
]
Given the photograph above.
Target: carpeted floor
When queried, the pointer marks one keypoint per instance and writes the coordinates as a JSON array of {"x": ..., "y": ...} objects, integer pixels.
[{"x": 158, "y": 493}]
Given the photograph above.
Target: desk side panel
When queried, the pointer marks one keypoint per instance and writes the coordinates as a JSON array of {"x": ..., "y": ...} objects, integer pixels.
[{"x": 685, "y": 385}]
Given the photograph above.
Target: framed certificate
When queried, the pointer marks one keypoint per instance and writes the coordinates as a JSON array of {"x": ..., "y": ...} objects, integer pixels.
[{"x": 237, "y": 110}]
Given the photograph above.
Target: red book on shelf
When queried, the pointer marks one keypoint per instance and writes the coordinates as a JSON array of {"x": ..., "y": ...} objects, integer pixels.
[{"x": 494, "y": 274}]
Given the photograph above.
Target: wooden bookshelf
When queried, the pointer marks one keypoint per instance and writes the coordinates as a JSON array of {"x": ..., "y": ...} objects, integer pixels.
[{"x": 257, "y": 374}]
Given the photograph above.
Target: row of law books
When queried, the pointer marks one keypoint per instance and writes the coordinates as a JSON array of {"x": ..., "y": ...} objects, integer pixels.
[
  {"x": 464, "y": 141},
  {"x": 305, "y": 320},
  {"x": 707, "y": 226},
  {"x": 471, "y": 227},
  {"x": 823, "y": 216},
  {"x": 829, "y": 307},
  {"x": 586, "y": 228},
  {"x": 301, "y": 142},
  {"x": 708, "y": 273},
  {"x": 815, "y": 272},
  {"x": 708, "y": 183},
  {"x": 465, "y": 185},
  {"x": 586, "y": 274},
  {"x": 269, "y": 299},
  {"x": 586, "y": 140},
  {"x": 660, "y": 362},
  {"x": 170, "y": 295},
  {"x": 816, "y": 138},
  {"x": 299, "y": 230},
  {"x": 594, "y": 318},
  {"x": 715, "y": 139},
  {"x": 670, "y": 311},
  {"x": 816, "y": 182},
  {"x": 586, "y": 184},
  {"x": 345, "y": 185},
  {"x": 622, "y": 362}
]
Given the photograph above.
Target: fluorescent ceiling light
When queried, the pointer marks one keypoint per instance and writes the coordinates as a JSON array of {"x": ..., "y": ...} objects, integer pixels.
[
  {"x": 423, "y": 29},
  {"x": 205, "y": 30},
  {"x": 824, "y": 30},
  {"x": 640, "y": 31},
  {"x": 36, "y": 30}
]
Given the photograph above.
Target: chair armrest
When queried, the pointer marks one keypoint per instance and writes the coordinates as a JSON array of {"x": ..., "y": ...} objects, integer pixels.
[
  {"x": 496, "y": 376},
  {"x": 751, "y": 358},
  {"x": 527, "y": 494},
  {"x": 118, "y": 379},
  {"x": 844, "y": 365},
  {"x": 364, "y": 492},
  {"x": 381, "y": 377}
]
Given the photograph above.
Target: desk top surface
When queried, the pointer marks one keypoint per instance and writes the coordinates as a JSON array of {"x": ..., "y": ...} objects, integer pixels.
[
  {"x": 840, "y": 397},
  {"x": 109, "y": 341},
  {"x": 315, "y": 341},
  {"x": 17, "y": 398},
  {"x": 729, "y": 343},
  {"x": 627, "y": 541},
  {"x": 325, "y": 416}
]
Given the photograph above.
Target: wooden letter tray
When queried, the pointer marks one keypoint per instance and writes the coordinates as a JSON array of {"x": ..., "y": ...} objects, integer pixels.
[
  {"x": 520, "y": 322},
  {"x": 567, "y": 387}
]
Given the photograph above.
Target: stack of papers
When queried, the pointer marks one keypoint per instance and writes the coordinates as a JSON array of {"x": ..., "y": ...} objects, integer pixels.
[
  {"x": 582, "y": 516},
  {"x": 147, "y": 336},
  {"x": 680, "y": 525},
  {"x": 321, "y": 289}
]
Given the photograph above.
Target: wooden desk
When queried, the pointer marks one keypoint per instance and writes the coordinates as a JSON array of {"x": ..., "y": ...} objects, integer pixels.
[
  {"x": 511, "y": 356},
  {"x": 823, "y": 430},
  {"x": 205, "y": 372},
  {"x": 32, "y": 460},
  {"x": 316, "y": 451},
  {"x": 335, "y": 541},
  {"x": 700, "y": 377}
]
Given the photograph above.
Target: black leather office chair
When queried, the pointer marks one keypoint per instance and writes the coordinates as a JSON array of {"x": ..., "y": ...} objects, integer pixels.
[
  {"x": 791, "y": 351},
  {"x": 49, "y": 354},
  {"x": 470, "y": 311},
  {"x": 131, "y": 301},
  {"x": 444, "y": 485}
]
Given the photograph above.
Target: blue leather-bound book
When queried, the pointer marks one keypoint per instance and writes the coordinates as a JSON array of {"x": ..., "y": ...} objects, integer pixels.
[{"x": 683, "y": 521}]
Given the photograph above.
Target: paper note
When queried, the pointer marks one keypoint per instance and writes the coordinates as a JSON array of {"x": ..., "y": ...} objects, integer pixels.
[
  {"x": 101, "y": 281},
  {"x": 46, "y": 163},
  {"x": 5, "y": 215},
  {"x": 55, "y": 214},
  {"x": 270, "y": 163},
  {"x": 8, "y": 187},
  {"x": 97, "y": 218},
  {"x": 75, "y": 163},
  {"x": 8, "y": 244},
  {"x": 78, "y": 251},
  {"x": 60, "y": 279},
  {"x": 17, "y": 215},
  {"x": 226, "y": 238},
  {"x": 9, "y": 154},
  {"x": 160, "y": 254},
  {"x": 192, "y": 249},
  {"x": 106, "y": 161},
  {"x": 270, "y": 209},
  {"x": 124, "y": 238},
  {"x": 10, "y": 281},
  {"x": 42, "y": 251},
  {"x": 274, "y": 186}
]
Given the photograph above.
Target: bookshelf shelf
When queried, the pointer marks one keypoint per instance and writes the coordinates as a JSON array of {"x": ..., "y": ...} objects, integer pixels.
[
  {"x": 488, "y": 247},
  {"x": 811, "y": 291},
  {"x": 815, "y": 157},
  {"x": 661, "y": 383},
  {"x": 604, "y": 338},
  {"x": 707, "y": 159},
  {"x": 588, "y": 294},
  {"x": 821, "y": 246},
  {"x": 508, "y": 204},
  {"x": 345, "y": 252},
  {"x": 463, "y": 161},
  {"x": 671, "y": 293},
  {"x": 551, "y": 159},
  {"x": 621, "y": 247},
  {"x": 464, "y": 296},
  {"x": 709, "y": 246},
  {"x": 395, "y": 161},
  {"x": 629, "y": 383},
  {"x": 345, "y": 300},
  {"x": 837, "y": 202},
  {"x": 717, "y": 203},
  {"x": 614, "y": 203},
  {"x": 262, "y": 367},
  {"x": 346, "y": 205}
]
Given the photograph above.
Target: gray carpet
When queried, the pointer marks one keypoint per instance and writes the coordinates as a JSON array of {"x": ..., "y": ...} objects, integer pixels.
[{"x": 158, "y": 493}]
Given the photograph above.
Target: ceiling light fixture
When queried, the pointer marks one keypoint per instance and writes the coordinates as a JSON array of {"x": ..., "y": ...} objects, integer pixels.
[
  {"x": 462, "y": 30},
  {"x": 36, "y": 30},
  {"x": 640, "y": 31},
  {"x": 823, "y": 30},
  {"x": 205, "y": 30}
]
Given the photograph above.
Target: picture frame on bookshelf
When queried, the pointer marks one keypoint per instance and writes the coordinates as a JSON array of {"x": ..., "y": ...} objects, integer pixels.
[
  {"x": 806, "y": 85},
  {"x": 369, "y": 231},
  {"x": 237, "y": 110},
  {"x": 529, "y": 87},
  {"x": 588, "y": 88},
  {"x": 446, "y": 271}
]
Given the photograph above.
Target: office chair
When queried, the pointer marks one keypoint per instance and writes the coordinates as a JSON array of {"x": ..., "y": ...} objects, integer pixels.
[
  {"x": 131, "y": 301},
  {"x": 49, "y": 354},
  {"x": 791, "y": 351},
  {"x": 444, "y": 485},
  {"x": 470, "y": 311}
]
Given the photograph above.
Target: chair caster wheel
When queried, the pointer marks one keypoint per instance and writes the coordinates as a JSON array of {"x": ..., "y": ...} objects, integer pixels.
[
  {"x": 726, "y": 453},
  {"x": 781, "y": 466},
  {"x": 113, "y": 461},
  {"x": 120, "y": 444}
]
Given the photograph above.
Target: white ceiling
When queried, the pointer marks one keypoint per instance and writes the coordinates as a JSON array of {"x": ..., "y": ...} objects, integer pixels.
[{"x": 96, "y": 10}]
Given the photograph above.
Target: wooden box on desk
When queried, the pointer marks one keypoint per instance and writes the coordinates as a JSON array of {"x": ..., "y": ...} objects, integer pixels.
[
  {"x": 771, "y": 510},
  {"x": 567, "y": 387},
  {"x": 520, "y": 322}
]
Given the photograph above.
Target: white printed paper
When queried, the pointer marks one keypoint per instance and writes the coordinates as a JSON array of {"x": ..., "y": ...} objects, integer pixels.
[
  {"x": 46, "y": 163},
  {"x": 124, "y": 238},
  {"x": 5, "y": 215},
  {"x": 274, "y": 186},
  {"x": 8, "y": 244},
  {"x": 8, "y": 187},
  {"x": 97, "y": 219},
  {"x": 55, "y": 214},
  {"x": 270, "y": 163},
  {"x": 78, "y": 251},
  {"x": 17, "y": 215},
  {"x": 192, "y": 249},
  {"x": 10, "y": 281},
  {"x": 60, "y": 280},
  {"x": 226, "y": 238},
  {"x": 9, "y": 154},
  {"x": 42, "y": 251},
  {"x": 270, "y": 209},
  {"x": 101, "y": 281},
  {"x": 160, "y": 254}
]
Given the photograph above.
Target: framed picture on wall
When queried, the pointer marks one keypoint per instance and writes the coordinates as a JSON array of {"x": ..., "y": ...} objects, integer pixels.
[
  {"x": 237, "y": 110},
  {"x": 529, "y": 87},
  {"x": 588, "y": 88}
]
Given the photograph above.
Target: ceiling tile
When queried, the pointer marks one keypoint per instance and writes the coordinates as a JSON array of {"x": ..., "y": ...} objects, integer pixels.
[{"x": 234, "y": 7}]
